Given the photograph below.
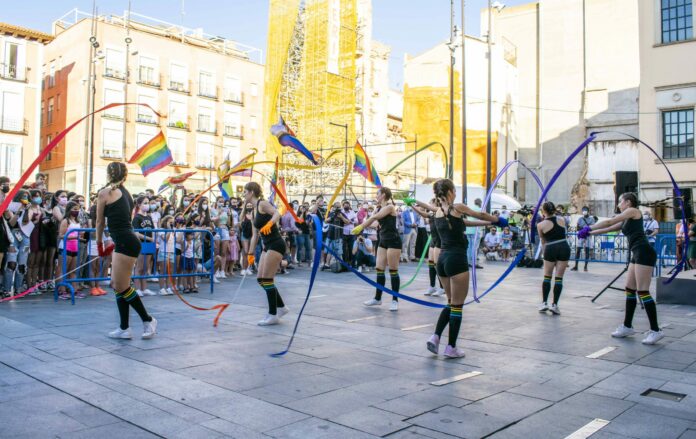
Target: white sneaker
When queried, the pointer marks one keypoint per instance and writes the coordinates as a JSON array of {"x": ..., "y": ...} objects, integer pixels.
[
  {"x": 170, "y": 292},
  {"x": 163, "y": 292},
  {"x": 439, "y": 293},
  {"x": 622, "y": 331},
  {"x": 555, "y": 310},
  {"x": 653, "y": 337},
  {"x": 543, "y": 307},
  {"x": 282, "y": 311},
  {"x": 360, "y": 269},
  {"x": 269, "y": 320},
  {"x": 430, "y": 292},
  {"x": 121, "y": 333},
  {"x": 223, "y": 275},
  {"x": 148, "y": 292},
  {"x": 394, "y": 306},
  {"x": 199, "y": 268},
  {"x": 217, "y": 274},
  {"x": 149, "y": 329},
  {"x": 372, "y": 302},
  {"x": 215, "y": 280},
  {"x": 244, "y": 272},
  {"x": 139, "y": 292}
]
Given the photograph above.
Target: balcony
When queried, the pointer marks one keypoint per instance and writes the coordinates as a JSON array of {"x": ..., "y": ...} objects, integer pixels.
[
  {"x": 179, "y": 163},
  {"x": 146, "y": 119},
  {"x": 234, "y": 131},
  {"x": 148, "y": 78},
  {"x": 12, "y": 72},
  {"x": 201, "y": 164},
  {"x": 234, "y": 98},
  {"x": 14, "y": 126},
  {"x": 110, "y": 72},
  {"x": 208, "y": 92},
  {"x": 112, "y": 116},
  {"x": 179, "y": 125},
  {"x": 205, "y": 125},
  {"x": 179, "y": 87},
  {"x": 111, "y": 154}
]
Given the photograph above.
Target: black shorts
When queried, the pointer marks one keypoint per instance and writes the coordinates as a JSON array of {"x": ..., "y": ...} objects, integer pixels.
[
  {"x": 643, "y": 254},
  {"x": 390, "y": 243},
  {"x": 126, "y": 243},
  {"x": 558, "y": 252},
  {"x": 275, "y": 245},
  {"x": 452, "y": 262}
]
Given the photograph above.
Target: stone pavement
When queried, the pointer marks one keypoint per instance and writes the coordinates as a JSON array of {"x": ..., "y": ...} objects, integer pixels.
[{"x": 353, "y": 372}]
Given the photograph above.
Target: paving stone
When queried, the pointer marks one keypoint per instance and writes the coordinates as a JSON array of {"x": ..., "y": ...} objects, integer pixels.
[
  {"x": 688, "y": 434},
  {"x": 115, "y": 430},
  {"x": 372, "y": 420},
  {"x": 508, "y": 406},
  {"x": 416, "y": 432},
  {"x": 544, "y": 425},
  {"x": 418, "y": 403},
  {"x": 319, "y": 429},
  {"x": 333, "y": 403},
  {"x": 230, "y": 429},
  {"x": 460, "y": 422},
  {"x": 643, "y": 424}
]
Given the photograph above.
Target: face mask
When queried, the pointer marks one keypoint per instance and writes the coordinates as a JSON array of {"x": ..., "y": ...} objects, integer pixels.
[
  {"x": 63, "y": 201},
  {"x": 205, "y": 207},
  {"x": 153, "y": 207},
  {"x": 74, "y": 213},
  {"x": 646, "y": 217},
  {"x": 37, "y": 200},
  {"x": 82, "y": 204},
  {"x": 170, "y": 212},
  {"x": 5, "y": 189},
  {"x": 24, "y": 201},
  {"x": 186, "y": 203},
  {"x": 145, "y": 207},
  {"x": 196, "y": 223},
  {"x": 585, "y": 213},
  {"x": 179, "y": 220}
]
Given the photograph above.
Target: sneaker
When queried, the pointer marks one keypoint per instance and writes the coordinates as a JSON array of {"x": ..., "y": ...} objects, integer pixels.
[
  {"x": 170, "y": 292},
  {"x": 555, "y": 310},
  {"x": 148, "y": 292},
  {"x": 372, "y": 302},
  {"x": 102, "y": 292},
  {"x": 223, "y": 275},
  {"x": 215, "y": 280},
  {"x": 574, "y": 269},
  {"x": 453, "y": 352},
  {"x": 543, "y": 307},
  {"x": 431, "y": 291},
  {"x": 394, "y": 306},
  {"x": 269, "y": 320},
  {"x": 121, "y": 333},
  {"x": 149, "y": 329},
  {"x": 64, "y": 296},
  {"x": 360, "y": 270},
  {"x": 439, "y": 293},
  {"x": 139, "y": 293},
  {"x": 653, "y": 337},
  {"x": 95, "y": 292},
  {"x": 162, "y": 292},
  {"x": 36, "y": 292},
  {"x": 585, "y": 269},
  {"x": 622, "y": 331},
  {"x": 433, "y": 344},
  {"x": 282, "y": 311},
  {"x": 79, "y": 295}
]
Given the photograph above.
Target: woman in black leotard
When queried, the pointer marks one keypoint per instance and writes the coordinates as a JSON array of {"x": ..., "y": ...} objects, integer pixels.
[
  {"x": 640, "y": 267},
  {"x": 115, "y": 206},
  {"x": 265, "y": 221},
  {"x": 552, "y": 231},
  {"x": 423, "y": 210},
  {"x": 389, "y": 248},
  {"x": 452, "y": 264}
]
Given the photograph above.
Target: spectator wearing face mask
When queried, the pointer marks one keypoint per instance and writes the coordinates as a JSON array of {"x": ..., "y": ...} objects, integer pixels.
[
  {"x": 651, "y": 227},
  {"x": 491, "y": 242},
  {"x": 142, "y": 220},
  {"x": 583, "y": 243}
]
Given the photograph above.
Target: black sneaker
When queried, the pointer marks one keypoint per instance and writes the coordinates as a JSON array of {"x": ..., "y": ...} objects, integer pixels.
[{"x": 576, "y": 269}]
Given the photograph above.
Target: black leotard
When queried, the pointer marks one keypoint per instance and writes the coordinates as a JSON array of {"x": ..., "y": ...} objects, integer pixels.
[
  {"x": 556, "y": 233},
  {"x": 451, "y": 231},
  {"x": 434, "y": 235},
  {"x": 388, "y": 234},
  {"x": 118, "y": 220},
  {"x": 272, "y": 241},
  {"x": 642, "y": 253}
]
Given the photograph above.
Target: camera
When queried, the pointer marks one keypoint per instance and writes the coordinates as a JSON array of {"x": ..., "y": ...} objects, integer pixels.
[{"x": 525, "y": 210}]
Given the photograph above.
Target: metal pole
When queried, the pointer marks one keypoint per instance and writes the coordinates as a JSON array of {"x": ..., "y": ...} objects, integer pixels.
[
  {"x": 125, "y": 85},
  {"x": 464, "y": 182},
  {"x": 489, "y": 110},
  {"x": 93, "y": 91},
  {"x": 451, "y": 85}
]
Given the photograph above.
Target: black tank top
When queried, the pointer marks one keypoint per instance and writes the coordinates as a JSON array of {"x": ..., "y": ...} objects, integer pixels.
[
  {"x": 452, "y": 232},
  {"x": 434, "y": 235},
  {"x": 557, "y": 233},
  {"x": 387, "y": 228},
  {"x": 633, "y": 230},
  {"x": 118, "y": 213},
  {"x": 260, "y": 220}
]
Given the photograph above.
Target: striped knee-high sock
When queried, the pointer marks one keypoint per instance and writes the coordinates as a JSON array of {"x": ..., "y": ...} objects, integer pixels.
[
  {"x": 432, "y": 273},
  {"x": 382, "y": 280},
  {"x": 631, "y": 302},
  {"x": 455, "y": 322},
  {"x": 650, "y": 309},
  {"x": 443, "y": 320},
  {"x": 395, "y": 281},
  {"x": 557, "y": 288},
  {"x": 545, "y": 289},
  {"x": 130, "y": 297},
  {"x": 272, "y": 295}
]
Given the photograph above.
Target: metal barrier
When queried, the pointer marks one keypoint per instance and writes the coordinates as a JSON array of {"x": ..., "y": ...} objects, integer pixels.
[{"x": 66, "y": 282}]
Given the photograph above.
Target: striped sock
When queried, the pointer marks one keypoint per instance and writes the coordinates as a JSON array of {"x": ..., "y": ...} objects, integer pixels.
[
  {"x": 455, "y": 322},
  {"x": 127, "y": 294},
  {"x": 272, "y": 295},
  {"x": 395, "y": 281},
  {"x": 382, "y": 280},
  {"x": 432, "y": 273},
  {"x": 557, "y": 288},
  {"x": 443, "y": 320},
  {"x": 631, "y": 302},
  {"x": 545, "y": 289},
  {"x": 650, "y": 309}
]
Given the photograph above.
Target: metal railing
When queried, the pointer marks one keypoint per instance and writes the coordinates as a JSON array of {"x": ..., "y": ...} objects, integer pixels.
[
  {"x": 10, "y": 125},
  {"x": 13, "y": 72}
]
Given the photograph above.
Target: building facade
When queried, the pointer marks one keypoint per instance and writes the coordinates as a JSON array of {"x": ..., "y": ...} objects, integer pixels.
[
  {"x": 206, "y": 90},
  {"x": 21, "y": 58},
  {"x": 667, "y": 99}
]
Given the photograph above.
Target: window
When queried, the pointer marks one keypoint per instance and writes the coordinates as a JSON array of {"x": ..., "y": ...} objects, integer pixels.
[
  {"x": 70, "y": 180},
  {"x": 49, "y": 139},
  {"x": 231, "y": 151},
  {"x": 206, "y": 85},
  {"x": 206, "y": 119},
  {"x": 10, "y": 67},
  {"x": 252, "y": 122},
  {"x": 52, "y": 74},
  {"x": 178, "y": 78},
  {"x": 233, "y": 90},
  {"x": 112, "y": 96},
  {"x": 254, "y": 89},
  {"x": 11, "y": 112},
  {"x": 232, "y": 124},
  {"x": 147, "y": 71},
  {"x": 145, "y": 115},
  {"x": 204, "y": 155},
  {"x": 10, "y": 157},
  {"x": 678, "y": 134},
  {"x": 178, "y": 116},
  {"x": 112, "y": 141},
  {"x": 677, "y": 20},
  {"x": 49, "y": 114},
  {"x": 115, "y": 64},
  {"x": 41, "y": 116},
  {"x": 177, "y": 146}
]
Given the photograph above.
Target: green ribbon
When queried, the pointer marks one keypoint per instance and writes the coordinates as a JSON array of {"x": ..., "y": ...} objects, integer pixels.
[
  {"x": 425, "y": 252},
  {"x": 444, "y": 151}
]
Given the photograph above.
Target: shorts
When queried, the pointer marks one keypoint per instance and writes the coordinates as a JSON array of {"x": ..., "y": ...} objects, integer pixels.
[
  {"x": 71, "y": 254},
  {"x": 224, "y": 234},
  {"x": 390, "y": 243},
  {"x": 643, "y": 254},
  {"x": 126, "y": 243},
  {"x": 583, "y": 243},
  {"x": 165, "y": 257},
  {"x": 188, "y": 264},
  {"x": 559, "y": 252},
  {"x": 451, "y": 263},
  {"x": 277, "y": 245}
]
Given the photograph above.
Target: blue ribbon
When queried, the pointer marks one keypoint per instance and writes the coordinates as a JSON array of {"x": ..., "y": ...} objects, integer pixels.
[
  {"x": 518, "y": 258},
  {"x": 315, "y": 266}
]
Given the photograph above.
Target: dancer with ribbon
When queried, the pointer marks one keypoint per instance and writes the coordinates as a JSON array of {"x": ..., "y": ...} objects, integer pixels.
[
  {"x": 552, "y": 231},
  {"x": 115, "y": 205},
  {"x": 452, "y": 264},
  {"x": 427, "y": 211},
  {"x": 265, "y": 222},
  {"x": 389, "y": 247},
  {"x": 640, "y": 267}
]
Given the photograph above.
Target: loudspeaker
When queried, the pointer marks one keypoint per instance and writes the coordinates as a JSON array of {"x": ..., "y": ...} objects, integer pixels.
[
  {"x": 624, "y": 181},
  {"x": 687, "y": 195}
]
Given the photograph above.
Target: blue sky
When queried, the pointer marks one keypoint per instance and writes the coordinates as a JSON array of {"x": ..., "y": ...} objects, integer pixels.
[{"x": 408, "y": 26}]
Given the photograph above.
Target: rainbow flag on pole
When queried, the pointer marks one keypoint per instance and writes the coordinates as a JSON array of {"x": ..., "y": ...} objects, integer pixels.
[
  {"x": 174, "y": 180},
  {"x": 286, "y": 137},
  {"x": 363, "y": 165},
  {"x": 152, "y": 156}
]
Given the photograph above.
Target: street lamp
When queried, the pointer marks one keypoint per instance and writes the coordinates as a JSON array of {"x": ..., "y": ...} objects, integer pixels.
[{"x": 498, "y": 7}]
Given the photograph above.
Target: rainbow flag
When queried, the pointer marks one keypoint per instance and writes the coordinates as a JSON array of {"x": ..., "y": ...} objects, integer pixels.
[
  {"x": 286, "y": 137},
  {"x": 274, "y": 180},
  {"x": 153, "y": 155},
  {"x": 174, "y": 180},
  {"x": 363, "y": 165},
  {"x": 282, "y": 195}
]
